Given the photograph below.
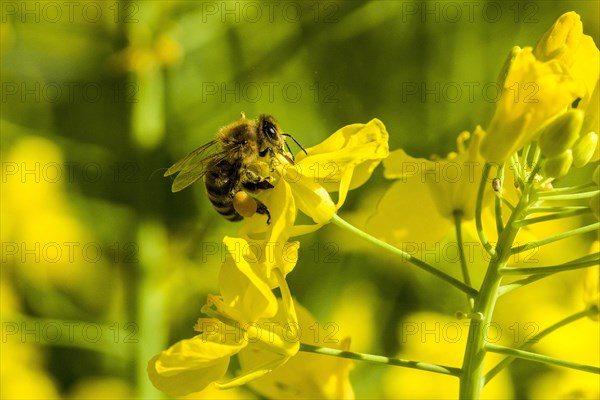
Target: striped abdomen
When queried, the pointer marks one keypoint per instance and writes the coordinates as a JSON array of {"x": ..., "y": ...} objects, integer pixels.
[{"x": 222, "y": 182}]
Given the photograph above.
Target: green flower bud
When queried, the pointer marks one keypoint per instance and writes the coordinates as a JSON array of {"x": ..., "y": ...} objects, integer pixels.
[
  {"x": 560, "y": 134},
  {"x": 595, "y": 205},
  {"x": 558, "y": 166},
  {"x": 596, "y": 175},
  {"x": 584, "y": 148}
]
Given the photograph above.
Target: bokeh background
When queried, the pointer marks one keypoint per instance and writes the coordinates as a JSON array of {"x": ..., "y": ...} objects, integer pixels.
[{"x": 103, "y": 267}]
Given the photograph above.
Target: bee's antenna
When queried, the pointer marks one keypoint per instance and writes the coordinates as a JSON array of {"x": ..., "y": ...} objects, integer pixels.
[
  {"x": 295, "y": 141},
  {"x": 290, "y": 150}
]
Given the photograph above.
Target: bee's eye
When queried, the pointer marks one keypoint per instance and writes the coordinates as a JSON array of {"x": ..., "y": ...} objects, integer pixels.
[{"x": 270, "y": 130}]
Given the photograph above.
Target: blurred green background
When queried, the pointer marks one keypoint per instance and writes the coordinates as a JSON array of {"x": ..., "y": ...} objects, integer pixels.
[{"x": 103, "y": 267}]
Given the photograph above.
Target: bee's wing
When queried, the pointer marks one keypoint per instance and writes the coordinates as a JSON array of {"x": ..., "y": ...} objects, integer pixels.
[{"x": 193, "y": 166}]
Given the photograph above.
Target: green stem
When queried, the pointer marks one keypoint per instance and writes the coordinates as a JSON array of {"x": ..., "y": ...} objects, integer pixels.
[
  {"x": 509, "y": 287},
  {"x": 558, "y": 215},
  {"x": 479, "y": 209},
  {"x": 570, "y": 189},
  {"x": 550, "y": 196},
  {"x": 498, "y": 201},
  {"x": 534, "y": 210},
  {"x": 461, "y": 252},
  {"x": 336, "y": 220},
  {"x": 151, "y": 302},
  {"x": 515, "y": 165},
  {"x": 554, "y": 238},
  {"x": 550, "y": 269},
  {"x": 535, "y": 339},
  {"x": 471, "y": 381},
  {"x": 527, "y": 355},
  {"x": 398, "y": 362}
]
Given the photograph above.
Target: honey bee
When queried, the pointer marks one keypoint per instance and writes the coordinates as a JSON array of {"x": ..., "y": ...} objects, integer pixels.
[{"x": 226, "y": 166}]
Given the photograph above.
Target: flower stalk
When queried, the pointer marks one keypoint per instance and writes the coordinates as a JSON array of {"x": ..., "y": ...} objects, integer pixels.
[{"x": 336, "y": 220}]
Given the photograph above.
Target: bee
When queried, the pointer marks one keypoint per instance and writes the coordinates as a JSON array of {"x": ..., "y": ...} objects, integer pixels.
[{"x": 226, "y": 164}]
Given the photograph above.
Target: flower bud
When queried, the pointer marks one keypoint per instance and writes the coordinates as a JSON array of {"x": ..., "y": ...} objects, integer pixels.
[
  {"x": 558, "y": 166},
  {"x": 560, "y": 134},
  {"x": 584, "y": 149}
]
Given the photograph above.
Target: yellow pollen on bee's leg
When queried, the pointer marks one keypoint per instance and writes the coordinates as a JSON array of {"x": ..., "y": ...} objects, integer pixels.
[{"x": 244, "y": 204}]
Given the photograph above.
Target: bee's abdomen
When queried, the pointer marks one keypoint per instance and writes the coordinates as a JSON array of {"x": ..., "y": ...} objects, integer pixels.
[
  {"x": 221, "y": 186},
  {"x": 224, "y": 206}
]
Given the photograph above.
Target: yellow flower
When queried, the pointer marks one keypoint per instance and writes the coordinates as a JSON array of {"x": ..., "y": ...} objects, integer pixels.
[
  {"x": 579, "y": 55},
  {"x": 245, "y": 294},
  {"x": 453, "y": 182},
  {"x": 427, "y": 193},
  {"x": 576, "y": 52},
  {"x": 306, "y": 375},
  {"x": 533, "y": 92},
  {"x": 192, "y": 364},
  {"x": 241, "y": 316},
  {"x": 342, "y": 162}
]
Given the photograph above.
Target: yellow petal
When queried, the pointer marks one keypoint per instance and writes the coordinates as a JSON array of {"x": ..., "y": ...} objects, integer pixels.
[
  {"x": 191, "y": 364},
  {"x": 534, "y": 92},
  {"x": 416, "y": 220},
  {"x": 564, "y": 35},
  {"x": 305, "y": 375},
  {"x": 453, "y": 183},
  {"x": 360, "y": 146},
  {"x": 246, "y": 295},
  {"x": 313, "y": 200}
]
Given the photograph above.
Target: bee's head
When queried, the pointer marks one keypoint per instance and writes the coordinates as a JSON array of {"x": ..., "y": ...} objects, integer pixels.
[{"x": 269, "y": 134}]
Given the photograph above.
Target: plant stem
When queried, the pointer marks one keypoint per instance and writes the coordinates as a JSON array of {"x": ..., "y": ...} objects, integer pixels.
[
  {"x": 549, "y": 196},
  {"x": 554, "y": 238},
  {"x": 461, "y": 252},
  {"x": 498, "y": 201},
  {"x": 336, "y": 220},
  {"x": 509, "y": 287},
  {"x": 570, "y": 189},
  {"x": 549, "y": 269},
  {"x": 398, "y": 362},
  {"x": 471, "y": 381},
  {"x": 534, "y": 210},
  {"x": 527, "y": 355},
  {"x": 508, "y": 360},
  {"x": 551, "y": 217},
  {"x": 478, "y": 211}
]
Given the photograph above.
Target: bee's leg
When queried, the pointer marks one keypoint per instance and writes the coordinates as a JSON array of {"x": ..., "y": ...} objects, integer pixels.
[
  {"x": 263, "y": 210},
  {"x": 254, "y": 182}
]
